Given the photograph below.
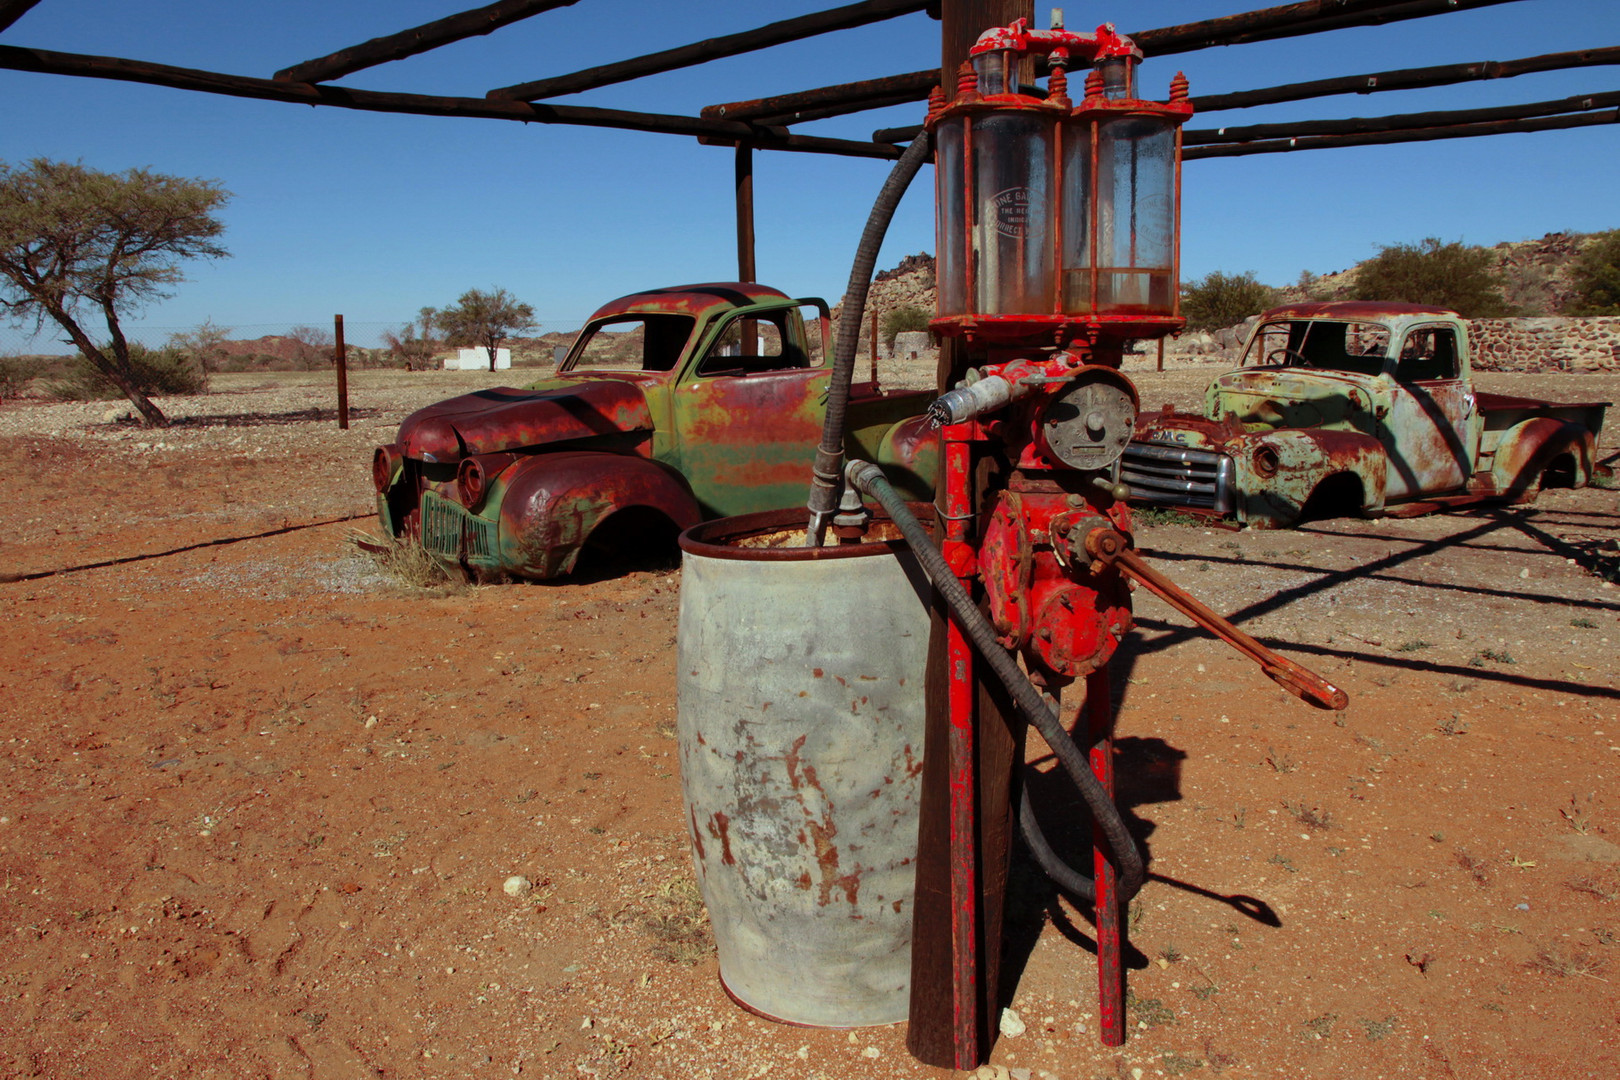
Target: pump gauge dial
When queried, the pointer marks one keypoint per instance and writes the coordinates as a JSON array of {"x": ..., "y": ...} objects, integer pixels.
[{"x": 1090, "y": 422}]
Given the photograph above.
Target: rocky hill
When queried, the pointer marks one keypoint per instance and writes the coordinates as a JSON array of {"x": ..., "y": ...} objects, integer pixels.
[{"x": 1535, "y": 275}]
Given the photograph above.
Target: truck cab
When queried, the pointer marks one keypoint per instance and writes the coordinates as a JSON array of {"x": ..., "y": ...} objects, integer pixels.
[
  {"x": 672, "y": 406},
  {"x": 1355, "y": 407}
]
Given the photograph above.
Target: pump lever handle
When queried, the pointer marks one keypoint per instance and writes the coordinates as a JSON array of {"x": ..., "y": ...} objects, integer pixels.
[{"x": 1108, "y": 547}]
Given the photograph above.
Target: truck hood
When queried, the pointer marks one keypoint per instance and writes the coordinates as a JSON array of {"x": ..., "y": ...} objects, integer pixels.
[
  {"x": 557, "y": 410},
  {"x": 1272, "y": 397}
]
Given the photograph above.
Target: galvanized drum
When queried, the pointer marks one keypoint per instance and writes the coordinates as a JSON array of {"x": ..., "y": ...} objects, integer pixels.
[{"x": 800, "y": 710}]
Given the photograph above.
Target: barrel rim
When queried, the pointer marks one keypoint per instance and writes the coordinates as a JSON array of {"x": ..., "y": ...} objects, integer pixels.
[{"x": 708, "y": 539}]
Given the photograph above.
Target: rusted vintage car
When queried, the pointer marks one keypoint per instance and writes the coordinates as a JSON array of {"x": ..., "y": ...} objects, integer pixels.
[
  {"x": 1344, "y": 408},
  {"x": 672, "y": 406}
]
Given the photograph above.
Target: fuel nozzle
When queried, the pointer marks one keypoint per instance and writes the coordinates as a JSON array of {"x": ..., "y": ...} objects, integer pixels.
[{"x": 972, "y": 399}]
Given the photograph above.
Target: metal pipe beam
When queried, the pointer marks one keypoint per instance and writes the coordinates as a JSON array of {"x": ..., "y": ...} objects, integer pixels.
[
  {"x": 1407, "y": 79},
  {"x": 244, "y": 86},
  {"x": 1293, "y": 20},
  {"x": 777, "y": 33},
  {"x": 1386, "y": 138},
  {"x": 1401, "y": 122},
  {"x": 12, "y": 10},
  {"x": 866, "y": 94},
  {"x": 418, "y": 39}
]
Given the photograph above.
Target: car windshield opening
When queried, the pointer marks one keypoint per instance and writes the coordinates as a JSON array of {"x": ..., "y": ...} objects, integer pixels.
[
  {"x": 1356, "y": 347},
  {"x": 652, "y": 342}
]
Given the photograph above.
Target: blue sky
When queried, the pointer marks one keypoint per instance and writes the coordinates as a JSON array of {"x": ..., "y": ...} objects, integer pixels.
[{"x": 374, "y": 215}]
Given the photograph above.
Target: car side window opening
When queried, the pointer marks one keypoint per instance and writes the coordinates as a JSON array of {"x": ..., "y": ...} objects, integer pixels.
[
  {"x": 652, "y": 342},
  {"x": 751, "y": 346},
  {"x": 1429, "y": 353}
]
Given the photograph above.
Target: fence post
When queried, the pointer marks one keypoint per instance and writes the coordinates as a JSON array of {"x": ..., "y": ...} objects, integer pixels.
[
  {"x": 874, "y": 320},
  {"x": 1161, "y": 354},
  {"x": 340, "y": 357}
]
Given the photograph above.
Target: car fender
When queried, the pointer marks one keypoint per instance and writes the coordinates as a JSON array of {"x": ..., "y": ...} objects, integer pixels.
[
  {"x": 909, "y": 455},
  {"x": 1526, "y": 449},
  {"x": 1275, "y": 472},
  {"x": 550, "y": 503}
]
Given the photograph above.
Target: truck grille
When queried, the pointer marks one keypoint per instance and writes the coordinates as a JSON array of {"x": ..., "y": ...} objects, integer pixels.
[
  {"x": 1178, "y": 476},
  {"x": 451, "y": 531}
]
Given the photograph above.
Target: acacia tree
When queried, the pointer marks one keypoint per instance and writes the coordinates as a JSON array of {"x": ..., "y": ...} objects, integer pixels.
[
  {"x": 204, "y": 345},
  {"x": 484, "y": 318},
  {"x": 311, "y": 346},
  {"x": 76, "y": 243}
]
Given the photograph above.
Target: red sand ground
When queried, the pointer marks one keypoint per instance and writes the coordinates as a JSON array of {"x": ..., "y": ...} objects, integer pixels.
[{"x": 257, "y": 803}]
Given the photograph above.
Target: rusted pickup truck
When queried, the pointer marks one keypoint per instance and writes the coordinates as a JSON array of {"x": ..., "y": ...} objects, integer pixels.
[
  {"x": 672, "y": 406},
  {"x": 1344, "y": 408}
]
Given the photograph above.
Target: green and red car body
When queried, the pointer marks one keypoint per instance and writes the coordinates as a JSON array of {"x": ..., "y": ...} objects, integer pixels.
[
  {"x": 672, "y": 406},
  {"x": 1357, "y": 407}
]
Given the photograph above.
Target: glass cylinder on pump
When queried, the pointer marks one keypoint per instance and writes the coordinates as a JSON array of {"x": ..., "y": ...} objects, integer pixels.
[
  {"x": 1136, "y": 216},
  {"x": 995, "y": 161},
  {"x": 1012, "y": 212},
  {"x": 1120, "y": 216}
]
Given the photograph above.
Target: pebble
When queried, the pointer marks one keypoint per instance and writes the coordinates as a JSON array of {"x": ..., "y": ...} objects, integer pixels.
[
  {"x": 992, "y": 1072},
  {"x": 516, "y": 885},
  {"x": 1012, "y": 1025}
]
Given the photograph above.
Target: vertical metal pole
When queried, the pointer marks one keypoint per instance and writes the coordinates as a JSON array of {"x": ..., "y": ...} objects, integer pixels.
[
  {"x": 340, "y": 357},
  {"x": 745, "y": 213},
  {"x": 1110, "y": 931},
  {"x": 1161, "y": 354}
]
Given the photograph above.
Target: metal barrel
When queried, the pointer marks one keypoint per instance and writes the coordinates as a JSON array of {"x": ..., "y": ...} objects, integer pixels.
[{"x": 800, "y": 718}]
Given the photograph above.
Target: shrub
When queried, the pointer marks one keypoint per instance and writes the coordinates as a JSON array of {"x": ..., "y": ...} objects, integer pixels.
[
  {"x": 1463, "y": 279},
  {"x": 1596, "y": 277},
  {"x": 902, "y": 320},
  {"x": 15, "y": 373},
  {"x": 1219, "y": 300},
  {"x": 156, "y": 371}
]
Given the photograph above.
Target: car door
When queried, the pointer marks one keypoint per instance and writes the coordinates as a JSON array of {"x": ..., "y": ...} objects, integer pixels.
[
  {"x": 1431, "y": 429},
  {"x": 748, "y": 410}
]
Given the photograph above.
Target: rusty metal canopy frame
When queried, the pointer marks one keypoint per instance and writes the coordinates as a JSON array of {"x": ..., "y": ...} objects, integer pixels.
[{"x": 766, "y": 123}]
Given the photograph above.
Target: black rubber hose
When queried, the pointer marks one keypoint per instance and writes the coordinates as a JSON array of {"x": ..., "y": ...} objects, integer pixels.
[
  {"x": 1063, "y": 875},
  {"x": 827, "y": 473},
  {"x": 869, "y": 479}
]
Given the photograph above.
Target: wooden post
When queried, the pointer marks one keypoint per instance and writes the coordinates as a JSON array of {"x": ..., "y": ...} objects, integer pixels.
[
  {"x": 874, "y": 320},
  {"x": 340, "y": 357},
  {"x": 1161, "y": 354},
  {"x": 955, "y": 969}
]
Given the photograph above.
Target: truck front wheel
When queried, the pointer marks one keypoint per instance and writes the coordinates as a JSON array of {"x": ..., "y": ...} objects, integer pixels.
[
  {"x": 636, "y": 538},
  {"x": 1335, "y": 496}
]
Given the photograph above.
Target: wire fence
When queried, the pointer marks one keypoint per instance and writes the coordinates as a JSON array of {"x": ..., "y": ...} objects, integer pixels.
[{"x": 264, "y": 346}]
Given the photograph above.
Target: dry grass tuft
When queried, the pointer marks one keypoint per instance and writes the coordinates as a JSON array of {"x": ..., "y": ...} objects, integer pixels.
[{"x": 407, "y": 563}]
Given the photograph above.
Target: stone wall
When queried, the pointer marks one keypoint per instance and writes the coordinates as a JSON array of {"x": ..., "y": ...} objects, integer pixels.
[
  {"x": 1546, "y": 344},
  {"x": 1533, "y": 344}
]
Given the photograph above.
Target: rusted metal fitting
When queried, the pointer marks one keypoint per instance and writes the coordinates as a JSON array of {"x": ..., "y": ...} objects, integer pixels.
[
  {"x": 1104, "y": 546},
  {"x": 386, "y": 464}
]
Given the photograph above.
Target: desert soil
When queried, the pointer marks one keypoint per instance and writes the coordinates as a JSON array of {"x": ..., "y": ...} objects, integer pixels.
[{"x": 259, "y": 802}]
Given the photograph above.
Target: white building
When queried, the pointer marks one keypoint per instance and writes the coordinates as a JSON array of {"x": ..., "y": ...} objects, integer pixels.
[{"x": 477, "y": 359}]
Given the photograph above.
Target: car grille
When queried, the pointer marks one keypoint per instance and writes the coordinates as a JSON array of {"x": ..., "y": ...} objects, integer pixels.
[
  {"x": 451, "y": 531},
  {"x": 1178, "y": 476}
]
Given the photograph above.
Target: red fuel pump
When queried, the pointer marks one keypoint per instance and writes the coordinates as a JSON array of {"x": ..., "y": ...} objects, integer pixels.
[{"x": 1058, "y": 245}]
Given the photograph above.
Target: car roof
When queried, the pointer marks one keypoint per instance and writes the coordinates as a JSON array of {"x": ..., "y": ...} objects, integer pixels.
[{"x": 705, "y": 299}]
